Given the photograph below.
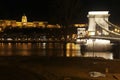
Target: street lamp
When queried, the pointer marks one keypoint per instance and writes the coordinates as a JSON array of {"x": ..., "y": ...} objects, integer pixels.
[{"x": 93, "y": 47}]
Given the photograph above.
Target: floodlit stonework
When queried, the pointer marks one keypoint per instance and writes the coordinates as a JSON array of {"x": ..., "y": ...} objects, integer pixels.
[
  {"x": 97, "y": 18},
  {"x": 25, "y": 23}
]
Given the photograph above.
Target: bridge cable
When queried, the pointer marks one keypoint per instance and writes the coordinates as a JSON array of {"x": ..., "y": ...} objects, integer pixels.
[
  {"x": 106, "y": 29},
  {"x": 112, "y": 24}
]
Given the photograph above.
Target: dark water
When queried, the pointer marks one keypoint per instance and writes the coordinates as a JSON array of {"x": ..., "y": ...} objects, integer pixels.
[{"x": 50, "y": 49}]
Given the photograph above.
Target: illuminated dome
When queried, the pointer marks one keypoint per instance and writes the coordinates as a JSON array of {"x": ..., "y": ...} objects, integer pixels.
[{"x": 24, "y": 19}]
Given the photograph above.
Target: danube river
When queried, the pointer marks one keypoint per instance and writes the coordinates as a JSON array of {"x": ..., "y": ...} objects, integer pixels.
[{"x": 52, "y": 49}]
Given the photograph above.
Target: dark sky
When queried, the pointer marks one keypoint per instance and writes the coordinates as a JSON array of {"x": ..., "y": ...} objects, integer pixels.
[
  {"x": 58, "y": 11},
  {"x": 14, "y": 9}
]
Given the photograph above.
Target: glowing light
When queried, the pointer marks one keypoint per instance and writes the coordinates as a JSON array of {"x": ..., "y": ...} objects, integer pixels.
[
  {"x": 91, "y": 33},
  {"x": 80, "y": 25},
  {"x": 0, "y": 29},
  {"x": 97, "y": 12},
  {"x": 118, "y": 30},
  {"x": 44, "y": 45},
  {"x": 71, "y": 49},
  {"x": 106, "y": 55},
  {"x": 115, "y": 29},
  {"x": 102, "y": 41}
]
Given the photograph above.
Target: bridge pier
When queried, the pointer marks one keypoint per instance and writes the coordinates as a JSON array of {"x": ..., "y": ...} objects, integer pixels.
[{"x": 116, "y": 50}]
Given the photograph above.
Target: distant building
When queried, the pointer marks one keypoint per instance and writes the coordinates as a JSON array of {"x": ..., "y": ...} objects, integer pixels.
[
  {"x": 81, "y": 30},
  {"x": 25, "y": 23}
]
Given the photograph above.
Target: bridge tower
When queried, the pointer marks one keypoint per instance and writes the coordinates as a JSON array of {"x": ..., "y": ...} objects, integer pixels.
[{"x": 95, "y": 18}]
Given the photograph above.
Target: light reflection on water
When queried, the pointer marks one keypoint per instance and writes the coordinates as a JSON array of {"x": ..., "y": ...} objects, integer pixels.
[
  {"x": 106, "y": 55},
  {"x": 48, "y": 49}
]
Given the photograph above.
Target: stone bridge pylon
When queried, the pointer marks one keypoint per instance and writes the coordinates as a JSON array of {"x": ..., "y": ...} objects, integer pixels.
[{"x": 98, "y": 18}]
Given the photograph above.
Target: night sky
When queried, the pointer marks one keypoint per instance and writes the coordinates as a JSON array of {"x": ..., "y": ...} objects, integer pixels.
[{"x": 58, "y": 11}]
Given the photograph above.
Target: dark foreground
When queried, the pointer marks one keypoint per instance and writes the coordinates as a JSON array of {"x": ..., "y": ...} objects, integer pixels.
[{"x": 57, "y": 68}]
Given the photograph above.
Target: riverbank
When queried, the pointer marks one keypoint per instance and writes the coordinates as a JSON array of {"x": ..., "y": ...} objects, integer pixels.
[{"x": 58, "y": 68}]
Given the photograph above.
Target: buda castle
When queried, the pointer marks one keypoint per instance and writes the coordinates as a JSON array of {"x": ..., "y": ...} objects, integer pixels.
[{"x": 25, "y": 23}]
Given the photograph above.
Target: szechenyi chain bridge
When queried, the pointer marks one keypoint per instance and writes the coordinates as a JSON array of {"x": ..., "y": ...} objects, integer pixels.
[{"x": 99, "y": 27}]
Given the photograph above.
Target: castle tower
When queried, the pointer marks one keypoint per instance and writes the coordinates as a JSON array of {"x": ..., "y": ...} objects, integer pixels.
[{"x": 24, "y": 20}]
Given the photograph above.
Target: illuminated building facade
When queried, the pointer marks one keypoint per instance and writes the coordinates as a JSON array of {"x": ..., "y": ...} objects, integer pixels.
[
  {"x": 81, "y": 30},
  {"x": 25, "y": 23}
]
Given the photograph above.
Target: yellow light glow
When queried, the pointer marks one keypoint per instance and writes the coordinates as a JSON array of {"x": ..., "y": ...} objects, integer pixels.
[
  {"x": 115, "y": 29},
  {"x": 0, "y": 29},
  {"x": 118, "y": 30},
  {"x": 91, "y": 33},
  {"x": 80, "y": 25},
  {"x": 24, "y": 18}
]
